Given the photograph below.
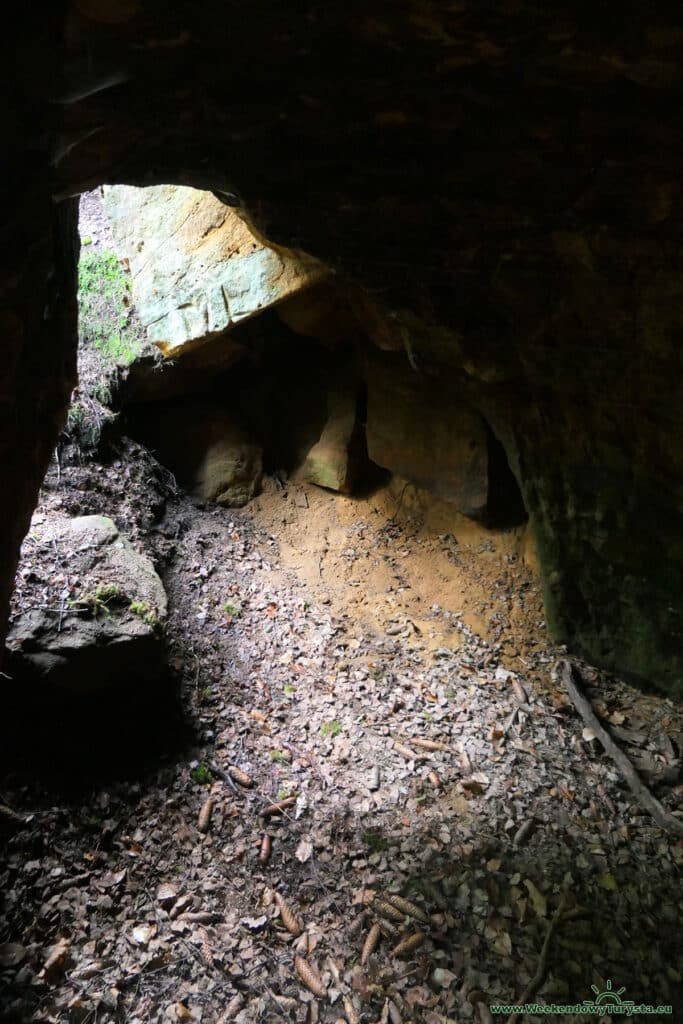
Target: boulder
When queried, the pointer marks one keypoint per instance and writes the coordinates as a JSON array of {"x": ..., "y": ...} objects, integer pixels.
[
  {"x": 337, "y": 460},
  {"x": 418, "y": 429},
  {"x": 108, "y": 633},
  {"x": 231, "y": 470},
  {"x": 205, "y": 444},
  {"x": 198, "y": 268}
]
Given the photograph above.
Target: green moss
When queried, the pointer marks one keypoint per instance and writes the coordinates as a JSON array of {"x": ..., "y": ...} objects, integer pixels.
[
  {"x": 375, "y": 841},
  {"x": 332, "y": 728},
  {"x": 97, "y": 602},
  {"x": 146, "y": 613},
  {"x": 104, "y": 305},
  {"x": 201, "y": 775}
]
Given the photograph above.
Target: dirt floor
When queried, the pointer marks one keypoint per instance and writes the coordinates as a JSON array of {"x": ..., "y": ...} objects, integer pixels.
[{"x": 386, "y": 686}]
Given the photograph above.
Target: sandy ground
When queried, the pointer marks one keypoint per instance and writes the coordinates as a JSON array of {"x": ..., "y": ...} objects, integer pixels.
[{"x": 380, "y": 672}]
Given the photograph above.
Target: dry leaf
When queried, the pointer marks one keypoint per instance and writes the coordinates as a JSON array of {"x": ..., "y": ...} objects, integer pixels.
[
  {"x": 11, "y": 954},
  {"x": 255, "y": 924},
  {"x": 519, "y": 691},
  {"x": 142, "y": 933},
  {"x": 57, "y": 959},
  {"x": 350, "y": 1011},
  {"x": 304, "y": 851},
  {"x": 232, "y": 1009},
  {"x": 264, "y": 852},
  {"x": 538, "y": 900},
  {"x": 166, "y": 894},
  {"x": 310, "y": 977}
]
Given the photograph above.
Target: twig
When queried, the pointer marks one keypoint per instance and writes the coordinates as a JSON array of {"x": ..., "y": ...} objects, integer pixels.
[
  {"x": 542, "y": 966},
  {"x": 392, "y": 518},
  {"x": 572, "y": 680},
  {"x": 224, "y": 777},
  {"x": 274, "y": 998},
  {"x": 62, "y": 608}
]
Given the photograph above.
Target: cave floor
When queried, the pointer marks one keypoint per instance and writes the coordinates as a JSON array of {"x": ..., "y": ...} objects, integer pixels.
[{"x": 392, "y": 686}]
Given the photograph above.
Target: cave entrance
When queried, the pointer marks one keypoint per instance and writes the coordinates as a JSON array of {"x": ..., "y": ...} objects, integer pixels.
[
  {"x": 254, "y": 398},
  {"x": 237, "y": 358}
]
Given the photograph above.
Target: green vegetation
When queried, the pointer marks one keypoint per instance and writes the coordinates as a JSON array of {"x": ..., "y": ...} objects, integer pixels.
[
  {"x": 375, "y": 841},
  {"x": 332, "y": 728},
  {"x": 98, "y": 601},
  {"x": 110, "y": 337},
  {"x": 146, "y": 613},
  {"x": 278, "y": 756},
  {"x": 104, "y": 308},
  {"x": 231, "y": 609},
  {"x": 288, "y": 689},
  {"x": 201, "y": 774}
]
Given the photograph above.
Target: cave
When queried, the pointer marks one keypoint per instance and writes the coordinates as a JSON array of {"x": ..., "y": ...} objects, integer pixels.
[{"x": 477, "y": 213}]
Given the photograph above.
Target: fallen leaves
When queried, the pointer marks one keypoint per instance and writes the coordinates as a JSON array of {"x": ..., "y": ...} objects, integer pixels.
[
  {"x": 11, "y": 954},
  {"x": 142, "y": 933},
  {"x": 304, "y": 851},
  {"x": 57, "y": 960}
]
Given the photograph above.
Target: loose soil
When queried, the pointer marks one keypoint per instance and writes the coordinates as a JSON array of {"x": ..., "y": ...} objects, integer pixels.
[{"x": 379, "y": 668}]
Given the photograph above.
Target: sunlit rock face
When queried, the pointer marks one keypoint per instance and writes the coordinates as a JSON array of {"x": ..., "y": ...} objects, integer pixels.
[
  {"x": 504, "y": 179},
  {"x": 197, "y": 267}
]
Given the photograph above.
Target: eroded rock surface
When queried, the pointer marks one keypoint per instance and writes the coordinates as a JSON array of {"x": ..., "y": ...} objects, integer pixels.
[
  {"x": 197, "y": 266},
  {"x": 425, "y": 432},
  {"x": 207, "y": 446},
  {"x": 106, "y": 632}
]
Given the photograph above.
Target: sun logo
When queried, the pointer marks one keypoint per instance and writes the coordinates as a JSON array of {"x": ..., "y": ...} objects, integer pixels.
[{"x": 609, "y": 997}]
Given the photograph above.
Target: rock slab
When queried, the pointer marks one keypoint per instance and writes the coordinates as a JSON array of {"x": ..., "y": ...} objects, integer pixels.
[
  {"x": 108, "y": 632},
  {"x": 197, "y": 266}
]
